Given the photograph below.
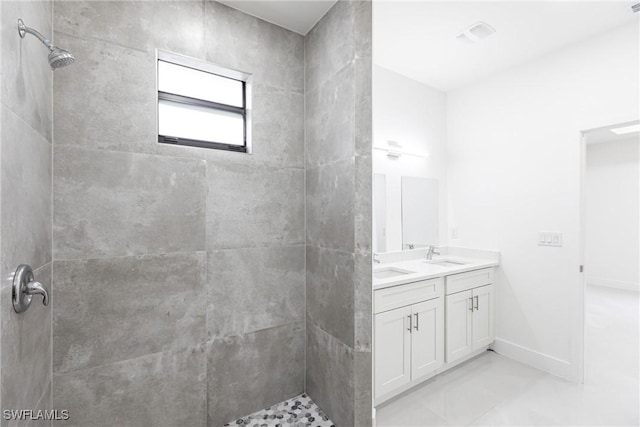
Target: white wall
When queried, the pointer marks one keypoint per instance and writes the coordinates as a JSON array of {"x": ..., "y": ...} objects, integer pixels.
[
  {"x": 514, "y": 165},
  {"x": 414, "y": 115},
  {"x": 612, "y": 181}
]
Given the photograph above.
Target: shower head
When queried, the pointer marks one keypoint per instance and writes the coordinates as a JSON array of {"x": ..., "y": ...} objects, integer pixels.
[{"x": 57, "y": 57}]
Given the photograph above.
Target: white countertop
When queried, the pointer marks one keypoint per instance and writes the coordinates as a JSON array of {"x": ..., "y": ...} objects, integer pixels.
[{"x": 423, "y": 270}]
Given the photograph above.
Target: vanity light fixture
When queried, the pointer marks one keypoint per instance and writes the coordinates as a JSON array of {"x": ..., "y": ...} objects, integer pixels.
[
  {"x": 394, "y": 150},
  {"x": 475, "y": 33},
  {"x": 626, "y": 129}
]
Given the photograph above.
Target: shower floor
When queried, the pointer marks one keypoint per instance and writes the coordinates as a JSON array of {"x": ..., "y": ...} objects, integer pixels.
[{"x": 299, "y": 411}]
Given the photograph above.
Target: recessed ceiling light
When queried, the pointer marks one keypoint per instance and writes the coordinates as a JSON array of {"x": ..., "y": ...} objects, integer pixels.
[
  {"x": 626, "y": 129},
  {"x": 475, "y": 33}
]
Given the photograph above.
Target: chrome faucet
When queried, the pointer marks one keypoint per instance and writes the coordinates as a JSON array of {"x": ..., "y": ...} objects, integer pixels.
[
  {"x": 431, "y": 251},
  {"x": 25, "y": 287},
  {"x": 37, "y": 288},
  {"x": 375, "y": 259}
]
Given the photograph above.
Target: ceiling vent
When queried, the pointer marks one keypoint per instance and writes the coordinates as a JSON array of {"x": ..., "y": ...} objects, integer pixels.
[{"x": 475, "y": 33}]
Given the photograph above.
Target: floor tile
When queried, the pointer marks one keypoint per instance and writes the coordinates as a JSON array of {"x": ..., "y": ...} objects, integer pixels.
[
  {"x": 492, "y": 390},
  {"x": 299, "y": 411}
]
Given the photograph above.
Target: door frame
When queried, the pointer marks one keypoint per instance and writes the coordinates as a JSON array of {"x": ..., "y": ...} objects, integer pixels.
[
  {"x": 582, "y": 336},
  {"x": 582, "y": 238}
]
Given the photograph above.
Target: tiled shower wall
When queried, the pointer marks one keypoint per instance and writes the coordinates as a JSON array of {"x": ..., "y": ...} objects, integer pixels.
[
  {"x": 25, "y": 205},
  {"x": 338, "y": 203},
  {"x": 179, "y": 272}
]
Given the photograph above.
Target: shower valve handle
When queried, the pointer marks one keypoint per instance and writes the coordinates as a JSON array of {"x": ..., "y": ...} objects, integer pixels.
[{"x": 25, "y": 287}]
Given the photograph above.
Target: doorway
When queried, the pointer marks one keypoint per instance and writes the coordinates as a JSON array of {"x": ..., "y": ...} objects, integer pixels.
[{"x": 611, "y": 254}]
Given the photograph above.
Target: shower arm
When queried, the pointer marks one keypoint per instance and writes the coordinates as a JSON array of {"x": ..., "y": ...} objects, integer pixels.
[{"x": 23, "y": 29}]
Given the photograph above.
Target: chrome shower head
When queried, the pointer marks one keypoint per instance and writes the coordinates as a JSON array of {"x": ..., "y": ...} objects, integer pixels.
[{"x": 57, "y": 57}]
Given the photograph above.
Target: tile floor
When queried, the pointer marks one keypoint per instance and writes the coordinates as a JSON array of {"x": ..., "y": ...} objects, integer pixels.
[
  {"x": 299, "y": 411},
  {"x": 492, "y": 390}
]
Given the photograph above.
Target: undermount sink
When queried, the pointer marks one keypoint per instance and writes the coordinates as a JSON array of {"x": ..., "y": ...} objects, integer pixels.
[
  {"x": 389, "y": 272},
  {"x": 445, "y": 262}
]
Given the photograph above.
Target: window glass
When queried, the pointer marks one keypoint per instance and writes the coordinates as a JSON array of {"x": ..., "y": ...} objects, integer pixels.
[
  {"x": 200, "y": 123},
  {"x": 186, "y": 81}
]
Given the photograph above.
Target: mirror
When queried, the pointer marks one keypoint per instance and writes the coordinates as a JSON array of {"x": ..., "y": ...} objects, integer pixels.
[
  {"x": 419, "y": 212},
  {"x": 405, "y": 212}
]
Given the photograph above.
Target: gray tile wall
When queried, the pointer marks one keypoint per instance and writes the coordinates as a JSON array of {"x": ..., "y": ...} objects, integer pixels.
[
  {"x": 338, "y": 204},
  {"x": 179, "y": 272},
  {"x": 25, "y": 204}
]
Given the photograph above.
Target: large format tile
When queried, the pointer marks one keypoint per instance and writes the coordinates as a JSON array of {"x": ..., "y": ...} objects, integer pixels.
[
  {"x": 107, "y": 98},
  {"x": 274, "y": 56},
  {"x": 330, "y": 119},
  {"x": 363, "y": 82},
  {"x": 406, "y": 415},
  {"x": 249, "y": 372},
  {"x": 330, "y": 45},
  {"x": 253, "y": 205},
  {"x": 453, "y": 399},
  {"x": 363, "y": 205},
  {"x": 112, "y": 204},
  {"x": 26, "y": 76},
  {"x": 254, "y": 288},
  {"x": 278, "y": 127},
  {"x": 44, "y": 404},
  {"x": 159, "y": 390},
  {"x": 26, "y": 348},
  {"x": 26, "y": 195},
  {"x": 107, "y": 310},
  {"x": 554, "y": 401},
  {"x": 362, "y": 388},
  {"x": 329, "y": 375},
  {"x": 363, "y": 303},
  {"x": 176, "y": 26},
  {"x": 330, "y": 201},
  {"x": 610, "y": 393},
  {"x": 330, "y": 292}
]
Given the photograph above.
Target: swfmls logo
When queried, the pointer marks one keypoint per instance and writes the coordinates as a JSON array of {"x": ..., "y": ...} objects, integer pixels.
[{"x": 40, "y": 414}]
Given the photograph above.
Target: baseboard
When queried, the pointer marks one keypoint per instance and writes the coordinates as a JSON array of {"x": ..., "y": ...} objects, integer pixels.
[
  {"x": 544, "y": 362},
  {"x": 616, "y": 284}
]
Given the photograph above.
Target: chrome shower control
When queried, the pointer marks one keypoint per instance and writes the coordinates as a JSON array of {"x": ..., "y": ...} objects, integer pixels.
[{"x": 25, "y": 287}]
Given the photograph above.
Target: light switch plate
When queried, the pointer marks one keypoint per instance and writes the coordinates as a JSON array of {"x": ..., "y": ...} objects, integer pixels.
[{"x": 549, "y": 238}]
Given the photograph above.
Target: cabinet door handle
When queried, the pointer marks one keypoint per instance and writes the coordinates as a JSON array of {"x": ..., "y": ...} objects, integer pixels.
[
  {"x": 476, "y": 297},
  {"x": 417, "y": 322},
  {"x": 471, "y": 305},
  {"x": 410, "y": 323}
]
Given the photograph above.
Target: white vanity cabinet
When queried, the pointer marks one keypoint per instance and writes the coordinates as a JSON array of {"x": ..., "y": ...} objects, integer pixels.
[
  {"x": 469, "y": 313},
  {"x": 409, "y": 334}
]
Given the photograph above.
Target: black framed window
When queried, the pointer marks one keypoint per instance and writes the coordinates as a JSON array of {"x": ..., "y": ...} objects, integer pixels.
[{"x": 201, "y": 104}]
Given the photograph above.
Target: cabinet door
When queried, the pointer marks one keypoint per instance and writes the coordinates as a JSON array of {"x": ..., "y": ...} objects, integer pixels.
[
  {"x": 392, "y": 350},
  {"x": 483, "y": 313},
  {"x": 427, "y": 338},
  {"x": 459, "y": 340}
]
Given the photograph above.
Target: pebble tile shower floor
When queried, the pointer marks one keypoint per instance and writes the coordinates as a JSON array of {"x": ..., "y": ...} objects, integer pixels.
[{"x": 299, "y": 411}]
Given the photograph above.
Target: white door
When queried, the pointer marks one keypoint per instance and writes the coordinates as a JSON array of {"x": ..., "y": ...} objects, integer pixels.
[
  {"x": 483, "y": 333},
  {"x": 392, "y": 350},
  {"x": 459, "y": 340},
  {"x": 427, "y": 341}
]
